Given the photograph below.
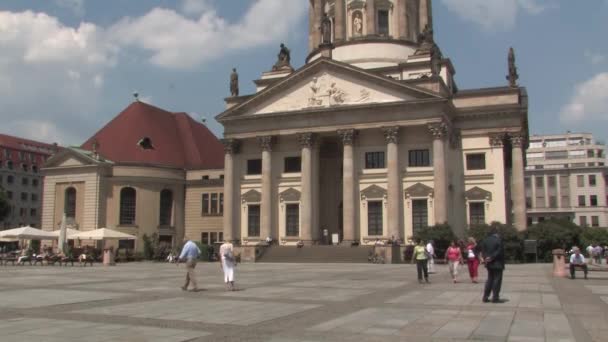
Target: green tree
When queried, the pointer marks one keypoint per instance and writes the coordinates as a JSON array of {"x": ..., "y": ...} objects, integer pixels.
[
  {"x": 593, "y": 235},
  {"x": 511, "y": 238},
  {"x": 5, "y": 206},
  {"x": 552, "y": 234},
  {"x": 441, "y": 235}
]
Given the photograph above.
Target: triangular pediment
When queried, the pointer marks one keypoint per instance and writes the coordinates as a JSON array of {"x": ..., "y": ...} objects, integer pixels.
[
  {"x": 478, "y": 194},
  {"x": 325, "y": 84},
  {"x": 69, "y": 157},
  {"x": 418, "y": 190},
  {"x": 373, "y": 192},
  {"x": 251, "y": 196},
  {"x": 290, "y": 195}
]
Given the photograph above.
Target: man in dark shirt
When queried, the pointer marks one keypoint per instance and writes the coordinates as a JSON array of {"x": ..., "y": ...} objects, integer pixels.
[{"x": 493, "y": 252}]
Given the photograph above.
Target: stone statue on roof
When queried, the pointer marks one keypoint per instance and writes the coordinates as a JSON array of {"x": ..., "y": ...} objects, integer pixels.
[
  {"x": 283, "y": 60},
  {"x": 326, "y": 30},
  {"x": 234, "y": 83},
  {"x": 512, "y": 77},
  {"x": 426, "y": 36}
]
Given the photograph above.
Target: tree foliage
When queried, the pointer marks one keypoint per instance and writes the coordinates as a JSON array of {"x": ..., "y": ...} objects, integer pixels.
[
  {"x": 552, "y": 234},
  {"x": 441, "y": 235}
]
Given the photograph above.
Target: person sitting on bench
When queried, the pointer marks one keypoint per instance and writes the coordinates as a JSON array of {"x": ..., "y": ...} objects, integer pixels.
[{"x": 577, "y": 260}]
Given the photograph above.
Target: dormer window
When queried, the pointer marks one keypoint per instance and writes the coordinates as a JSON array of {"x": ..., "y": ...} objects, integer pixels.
[{"x": 145, "y": 143}]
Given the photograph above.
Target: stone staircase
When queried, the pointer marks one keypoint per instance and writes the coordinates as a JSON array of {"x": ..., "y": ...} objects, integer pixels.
[{"x": 316, "y": 254}]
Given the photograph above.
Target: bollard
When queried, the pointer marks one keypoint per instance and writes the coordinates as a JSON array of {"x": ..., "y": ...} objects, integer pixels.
[
  {"x": 559, "y": 263},
  {"x": 108, "y": 257}
]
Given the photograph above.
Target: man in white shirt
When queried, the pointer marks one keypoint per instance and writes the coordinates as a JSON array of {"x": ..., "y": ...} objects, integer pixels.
[
  {"x": 577, "y": 260},
  {"x": 430, "y": 249}
]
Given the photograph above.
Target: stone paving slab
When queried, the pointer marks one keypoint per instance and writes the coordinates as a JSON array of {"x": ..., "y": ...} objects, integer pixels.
[{"x": 46, "y": 297}]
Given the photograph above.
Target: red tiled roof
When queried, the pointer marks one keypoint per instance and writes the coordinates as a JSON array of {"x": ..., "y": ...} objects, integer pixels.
[
  {"x": 26, "y": 145},
  {"x": 178, "y": 140}
]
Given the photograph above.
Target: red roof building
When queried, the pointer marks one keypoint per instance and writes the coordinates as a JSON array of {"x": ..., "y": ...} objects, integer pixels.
[{"x": 147, "y": 135}]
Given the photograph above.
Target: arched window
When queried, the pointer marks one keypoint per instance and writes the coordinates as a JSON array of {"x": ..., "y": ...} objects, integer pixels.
[
  {"x": 70, "y": 203},
  {"x": 166, "y": 207},
  {"x": 127, "y": 206}
]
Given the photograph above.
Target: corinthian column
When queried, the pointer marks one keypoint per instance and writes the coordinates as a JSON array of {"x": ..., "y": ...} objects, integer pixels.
[
  {"x": 230, "y": 148},
  {"x": 340, "y": 20},
  {"x": 370, "y": 9},
  {"x": 348, "y": 185},
  {"x": 402, "y": 21},
  {"x": 391, "y": 134},
  {"x": 316, "y": 21},
  {"x": 518, "y": 195},
  {"x": 306, "y": 141},
  {"x": 266, "y": 206},
  {"x": 439, "y": 130}
]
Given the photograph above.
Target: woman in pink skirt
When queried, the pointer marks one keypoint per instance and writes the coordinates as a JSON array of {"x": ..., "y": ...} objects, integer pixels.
[{"x": 472, "y": 253}]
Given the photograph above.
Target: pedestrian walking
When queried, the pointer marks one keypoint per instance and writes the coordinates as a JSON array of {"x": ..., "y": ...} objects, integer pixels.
[
  {"x": 430, "y": 249},
  {"x": 190, "y": 253},
  {"x": 453, "y": 257},
  {"x": 473, "y": 259},
  {"x": 421, "y": 256},
  {"x": 228, "y": 263},
  {"x": 493, "y": 252}
]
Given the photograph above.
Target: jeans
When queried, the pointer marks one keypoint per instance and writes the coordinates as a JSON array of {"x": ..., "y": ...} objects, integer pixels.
[{"x": 421, "y": 267}]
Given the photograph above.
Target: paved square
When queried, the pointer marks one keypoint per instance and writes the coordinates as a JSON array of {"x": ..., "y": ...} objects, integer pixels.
[{"x": 295, "y": 303}]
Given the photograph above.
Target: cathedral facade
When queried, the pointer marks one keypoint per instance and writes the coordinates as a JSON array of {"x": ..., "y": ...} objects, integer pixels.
[{"x": 371, "y": 139}]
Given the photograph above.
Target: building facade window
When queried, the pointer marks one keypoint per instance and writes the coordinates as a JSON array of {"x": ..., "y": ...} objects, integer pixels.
[
  {"x": 24, "y": 196},
  {"x": 205, "y": 204},
  {"x": 593, "y": 200},
  {"x": 374, "y": 160},
  {"x": 10, "y": 179},
  {"x": 374, "y": 218},
  {"x": 383, "y": 22},
  {"x": 33, "y": 212},
  {"x": 34, "y": 182},
  {"x": 592, "y": 181},
  {"x": 9, "y": 195},
  {"x": 292, "y": 219},
  {"x": 419, "y": 158},
  {"x": 476, "y": 161},
  {"x": 128, "y": 203},
  {"x": 253, "y": 220},
  {"x": 9, "y": 164},
  {"x": 477, "y": 213},
  {"x": 293, "y": 164},
  {"x": 581, "y": 201},
  {"x": 552, "y": 201},
  {"x": 583, "y": 221},
  {"x": 564, "y": 189},
  {"x": 212, "y": 204},
  {"x": 166, "y": 207},
  {"x": 254, "y": 166},
  {"x": 69, "y": 206},
  {"x": 25, "y": 181},
  {"x": 595, "y": 221},
  {"x": 580, "y": 181},
  {"x": 34, "y": 197},
  {"x": 420, "y": 214}
]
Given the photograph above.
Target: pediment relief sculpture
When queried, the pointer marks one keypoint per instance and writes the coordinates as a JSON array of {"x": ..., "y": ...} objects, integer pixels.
[
  {"x": 373, "y": 192},
  {"x": 418, "y": 190},
  {"x": 478, "y": 194},
  {"x": 251, "y": 196},
  {"x": 289, "y": 195}
]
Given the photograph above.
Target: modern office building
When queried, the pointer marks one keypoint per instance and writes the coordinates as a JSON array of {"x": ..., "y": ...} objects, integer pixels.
[
  {"x": 20, "y": 163},
  {"x": 567, "y": 177}
]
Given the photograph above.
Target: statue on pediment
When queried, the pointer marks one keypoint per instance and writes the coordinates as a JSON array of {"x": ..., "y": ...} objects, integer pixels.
[
  {"x": 326, "y": 30},
  {"x": 283, "y": 59},
  {"x": 357, "y": 23},
  {"x": 512, "y": 77},
  {"x": 234, "y": 83}
]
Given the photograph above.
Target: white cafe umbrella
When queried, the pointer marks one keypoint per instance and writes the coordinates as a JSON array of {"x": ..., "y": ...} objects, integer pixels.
[
  {"x": 102, "y": 234},
  {"x": 27, "y": 233},
  {"x": 62, "y": 233},
  {"x": 68, "y": 233}
]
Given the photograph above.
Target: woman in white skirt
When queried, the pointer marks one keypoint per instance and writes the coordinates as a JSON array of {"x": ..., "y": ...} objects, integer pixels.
[{"x": 228, "y": 263}]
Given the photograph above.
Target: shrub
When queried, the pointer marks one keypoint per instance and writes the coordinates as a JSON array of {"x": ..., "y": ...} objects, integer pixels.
[
  {"x": 511, "y": 238},
  {"x": 593, "y": 235},
  {"x": 441, "y": 235},
  {"x": 552, "y": 234},
  {"x": 150, "y": 244}
]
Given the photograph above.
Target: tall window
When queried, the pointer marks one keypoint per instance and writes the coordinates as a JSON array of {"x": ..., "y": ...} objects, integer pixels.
[
  {"x": 564, "y": 190},
  {"x": 593, "y": 200},
  {"x": 254, "y": 166},
  {"x": 293, "y": 164},
  {"x": 374, "y": 160},
  {"x": 592, "y": 180},
  {"x": 477, "y": 213},
  {"x": 374, "y": 218},
  {"x": 383, "y": 23},
  {"x": 580, "y": 181},
  {"x": 583, "y": 221},
  {"x": 70, "y": 202},
  {"x": 166, "y": 207},
  {"x": 214, "y": 203},
  {"x": 127, "y": 206},
  {"x": 419, "y": 158},
  {"x": 595, "y": 221},
  {"x": 419, "y": 214},
  {"x": 581, "y": 201},
  {"x": 205, "y": 204},
  {"x": 221, "y": 211},
  {"x": 476, "y": 161},
  {"x": 292, "y": 219},
  {"x": 253, "y": 220}
]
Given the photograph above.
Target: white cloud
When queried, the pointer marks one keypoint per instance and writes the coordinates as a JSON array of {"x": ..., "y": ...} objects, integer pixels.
[
  {"x": 195, "y": 7},
  {"x": 76, "y": 6},
  {"x": 589, "y": 102},
  {"x": 594, "y": 57},
  {"x": 495, "y": 15}
]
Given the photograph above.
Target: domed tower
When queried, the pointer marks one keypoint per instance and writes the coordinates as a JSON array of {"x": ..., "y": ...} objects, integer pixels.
[{"x": 368, "y": 33}]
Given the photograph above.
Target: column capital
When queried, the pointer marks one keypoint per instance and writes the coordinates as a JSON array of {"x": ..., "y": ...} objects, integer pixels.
[
  {"x": 497, "y": 139},
  {"x": 266, "y": 142},
  {"x": 306, "y": 139},
  {"x": 517, "y": 139},
  {"x": 347, "y": 136},
  {"x": 231, "y": 146},
  {"x": 439, "y": 130},
  {"x": 391, "y": 134}
]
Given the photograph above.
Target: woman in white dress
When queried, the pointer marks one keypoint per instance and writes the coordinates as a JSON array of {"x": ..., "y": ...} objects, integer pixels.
[{"x": 228, "y": 263}]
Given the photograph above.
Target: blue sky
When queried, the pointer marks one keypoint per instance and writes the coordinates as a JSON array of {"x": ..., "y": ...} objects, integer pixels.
[{"x": 69, "y": 66}]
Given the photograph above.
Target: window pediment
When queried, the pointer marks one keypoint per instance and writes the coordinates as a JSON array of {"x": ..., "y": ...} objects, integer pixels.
[
  {"x": 373, "y": 192},
  {"x": 418, "y": 190},
  {"x": 251, "y": 196},
  {"x": 356, "y": 4},
  {"x": 478, "y": 194},
  {"x": 289, "y": 195}
]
